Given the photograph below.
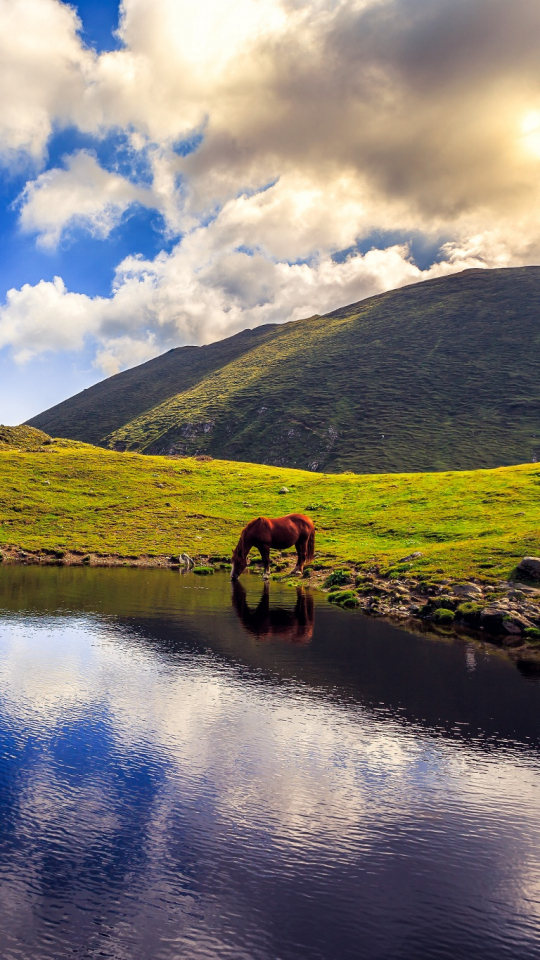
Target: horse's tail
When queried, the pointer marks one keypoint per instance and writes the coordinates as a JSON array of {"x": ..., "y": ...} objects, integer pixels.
[{"x": 310, "y": 549}]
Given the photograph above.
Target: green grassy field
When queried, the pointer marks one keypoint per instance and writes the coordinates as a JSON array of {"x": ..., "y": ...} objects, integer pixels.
[
  {"x": 440, "y": 375},
  {"x": 64, "y": 495}
]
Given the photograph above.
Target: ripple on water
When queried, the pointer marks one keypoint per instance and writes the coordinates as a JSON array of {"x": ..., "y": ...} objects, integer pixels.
[{"x": 185, "y": 776}]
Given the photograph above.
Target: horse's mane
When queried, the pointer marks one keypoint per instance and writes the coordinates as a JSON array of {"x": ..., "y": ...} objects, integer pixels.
[{"x": 240, "y": 548}]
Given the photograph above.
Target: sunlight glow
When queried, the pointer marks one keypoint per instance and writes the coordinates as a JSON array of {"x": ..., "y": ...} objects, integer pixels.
[{"x": 530, "y": 130}]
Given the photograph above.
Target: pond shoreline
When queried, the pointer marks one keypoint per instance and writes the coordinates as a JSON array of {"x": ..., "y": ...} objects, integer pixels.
[{"x": 497, "y": 613}]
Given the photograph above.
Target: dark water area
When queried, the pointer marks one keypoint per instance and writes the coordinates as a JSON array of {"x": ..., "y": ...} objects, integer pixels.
[{"x": 188, "y": 770}]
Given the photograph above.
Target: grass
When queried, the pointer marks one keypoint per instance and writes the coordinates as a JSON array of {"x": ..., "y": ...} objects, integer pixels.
[
  {"x": 69, "y": 496},
  {"x": 438, "y": 375},
  {"x": 109, "y": 405}
]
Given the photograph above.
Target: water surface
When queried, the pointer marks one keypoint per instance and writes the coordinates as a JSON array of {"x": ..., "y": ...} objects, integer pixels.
[{"x": 187, "y": 772}]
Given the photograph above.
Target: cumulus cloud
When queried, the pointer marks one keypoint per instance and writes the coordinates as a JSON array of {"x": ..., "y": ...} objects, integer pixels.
[
  {"x": 278, "y": 132},
  {"x": 206, "y": 288},
  {"x": 83, "y": 194},
  {"x": 44, "y": 72}
]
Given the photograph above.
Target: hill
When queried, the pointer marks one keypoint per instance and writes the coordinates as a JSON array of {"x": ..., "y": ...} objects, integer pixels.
[
  {"x": 21, "y": 438},
  {"x": 438, "y": 375},
  {"x": 103, "y": 408},
  {"x": 69, "y": 496}
]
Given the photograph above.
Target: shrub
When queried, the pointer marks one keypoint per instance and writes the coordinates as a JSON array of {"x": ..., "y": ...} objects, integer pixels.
[
  {"x": 338, "y": 578},
  {"x": 202, "y": 571},
  {"x": 442, "y": 615}
]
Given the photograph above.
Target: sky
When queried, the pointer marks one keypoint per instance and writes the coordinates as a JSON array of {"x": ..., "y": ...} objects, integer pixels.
[{"x": 174, "y": 172}]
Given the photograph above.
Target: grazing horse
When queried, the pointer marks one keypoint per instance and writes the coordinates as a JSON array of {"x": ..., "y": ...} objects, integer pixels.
[
  {"x": 280, "y": 533},
  {"x": 271, "y": 623}
]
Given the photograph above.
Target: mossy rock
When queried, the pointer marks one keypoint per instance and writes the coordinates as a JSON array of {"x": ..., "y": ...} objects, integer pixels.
[
  {"x": 202, "y": 571},
  {"x": 532, "y": 634},
  {"x": 469, "y": 612},
  {"x": 338, "y": 578},
  {"x": 443, "y": 603},
  {"x": 443, "y": 616},
  {"x": 344, "y": 598}
]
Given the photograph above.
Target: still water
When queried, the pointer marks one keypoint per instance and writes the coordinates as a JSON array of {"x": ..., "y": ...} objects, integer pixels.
[{"x": 191, "y": 773}]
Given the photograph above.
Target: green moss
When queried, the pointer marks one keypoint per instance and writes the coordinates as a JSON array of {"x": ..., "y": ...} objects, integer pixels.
[
  {"x": 344, "y": 598},
  {"x": 532, "y": 634},
  {"x": 443, "y": 603},
  {"x": 202, "y": 571},
  {"x": 442, "y": 615},
  {"x": 469, "y": 612}
]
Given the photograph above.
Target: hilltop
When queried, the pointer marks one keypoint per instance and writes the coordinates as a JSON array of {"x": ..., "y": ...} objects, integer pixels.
[
  {"x": 438, "y": 375},
  {"x": 21, "y": 438}
]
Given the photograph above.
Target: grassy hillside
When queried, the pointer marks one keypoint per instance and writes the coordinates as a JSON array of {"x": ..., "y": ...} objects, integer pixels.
[
  {"x": 63, "y": 496},
  {"x": 435, "y": 376},
  {"x": 439, "y": 375},
  {"x": 108, "y": 405}
]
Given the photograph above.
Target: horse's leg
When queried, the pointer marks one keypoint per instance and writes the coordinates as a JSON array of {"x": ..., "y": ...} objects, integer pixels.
[
  {"x": 300, "y": 545},
  {"x": 265, "y": 557}
]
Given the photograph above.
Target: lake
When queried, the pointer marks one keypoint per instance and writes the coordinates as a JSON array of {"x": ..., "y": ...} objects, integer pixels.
[{"x": 192, "y": 771}]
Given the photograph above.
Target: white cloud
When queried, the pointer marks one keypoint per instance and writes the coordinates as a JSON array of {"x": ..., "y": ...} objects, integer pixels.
[
  {"x": 47, "y": 317},
  {"x": 363, "y": 116},
  {"x": 44, "y": 72},
  {"x": 206, "y": 288},
  {"x": 83, "y": 194}
]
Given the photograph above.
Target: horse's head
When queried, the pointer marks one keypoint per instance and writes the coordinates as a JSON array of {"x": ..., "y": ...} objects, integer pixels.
[{"x": 239, "y": 562}]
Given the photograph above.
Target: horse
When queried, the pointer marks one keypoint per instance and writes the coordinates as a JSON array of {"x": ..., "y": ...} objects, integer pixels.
[
  {"x": 281, "y": 532},
  {"x": 275, "y": 623}
]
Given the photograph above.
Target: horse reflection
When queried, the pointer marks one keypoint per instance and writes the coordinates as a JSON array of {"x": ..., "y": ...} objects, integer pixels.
[{"x": 266, "y": 623}]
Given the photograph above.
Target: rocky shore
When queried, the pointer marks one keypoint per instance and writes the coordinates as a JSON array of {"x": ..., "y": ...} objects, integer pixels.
[{"x": 504, "y": 612}]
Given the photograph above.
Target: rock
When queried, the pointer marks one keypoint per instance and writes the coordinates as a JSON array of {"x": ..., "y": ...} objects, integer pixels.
[
  {"x": 491, "y": 619},
  {"x": 511, "y": 627},
  {"x": 400, "y": 592},
  {"x": 411, "y": 556},
  {"x": 529, "y": 567},
  {"x": 283, "y": 490},
  {"x": 512, "y": 640},
  {"x": 467, "y": 590},
  {"x": 516, "y": 622}
]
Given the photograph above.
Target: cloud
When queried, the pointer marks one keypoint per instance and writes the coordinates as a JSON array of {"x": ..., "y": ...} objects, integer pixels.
[
  {"x": 83, "y": 194},
  {"x": 278, "y": 133},
  {"x": 44, "y": 72},
  {"x": 46, "y": 317},
  {"x": 207, "y": 287}
]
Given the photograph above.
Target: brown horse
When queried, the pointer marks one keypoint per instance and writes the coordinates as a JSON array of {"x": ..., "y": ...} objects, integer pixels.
[{"x": 280, "y": 533}]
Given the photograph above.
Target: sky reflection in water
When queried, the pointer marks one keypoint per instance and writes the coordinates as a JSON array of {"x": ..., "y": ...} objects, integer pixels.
[{"x": 186, "y": 776}]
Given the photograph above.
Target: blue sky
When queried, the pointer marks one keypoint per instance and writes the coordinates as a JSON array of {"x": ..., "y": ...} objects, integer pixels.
[{"x": 197, "y": 169}]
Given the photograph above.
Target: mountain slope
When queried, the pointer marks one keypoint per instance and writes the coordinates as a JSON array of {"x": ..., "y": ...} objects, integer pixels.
[
  {"x": 439, "y": 375},
  {"x": 108, "y": 405}
]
